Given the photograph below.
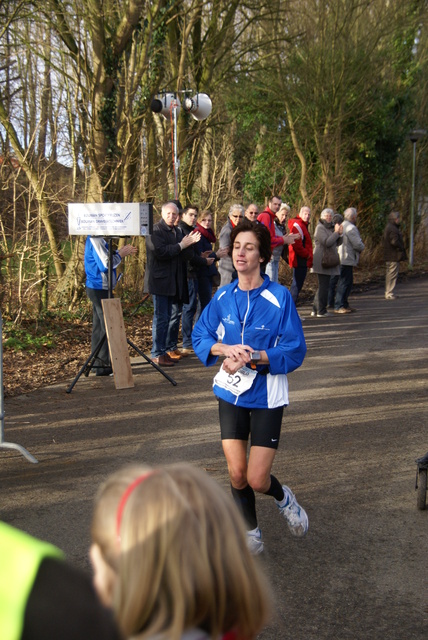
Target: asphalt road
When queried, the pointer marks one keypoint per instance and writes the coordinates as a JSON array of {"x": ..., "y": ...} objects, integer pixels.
[{"x": 358, "y": 418}]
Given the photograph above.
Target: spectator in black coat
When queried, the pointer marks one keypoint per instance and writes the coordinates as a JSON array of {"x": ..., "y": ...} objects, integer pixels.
[{"x": 167, "y": 276}]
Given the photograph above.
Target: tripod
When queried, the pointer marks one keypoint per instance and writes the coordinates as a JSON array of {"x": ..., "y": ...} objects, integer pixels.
[{"x": 90, "y": 361}]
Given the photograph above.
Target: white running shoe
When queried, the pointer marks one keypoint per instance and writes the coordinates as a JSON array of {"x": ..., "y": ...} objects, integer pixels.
[
  {"x": 254, "y": 541},
  {"x": 295, "y": 515}
]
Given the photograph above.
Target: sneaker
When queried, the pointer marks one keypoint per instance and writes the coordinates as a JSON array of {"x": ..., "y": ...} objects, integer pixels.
[
  {"x": 390, "y": 296},
  {"x": 313, "y": 313},
  {"x": 185, "y": 352},
  {"x": 323, "y": 315},
  {"x": 295, "y": 515},
  {"x": 254, "y": 541}
]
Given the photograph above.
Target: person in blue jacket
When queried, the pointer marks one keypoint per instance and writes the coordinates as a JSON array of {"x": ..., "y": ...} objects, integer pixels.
[
  {"x": 96, "y": 268},
  {"x": 253, "y": 324}
]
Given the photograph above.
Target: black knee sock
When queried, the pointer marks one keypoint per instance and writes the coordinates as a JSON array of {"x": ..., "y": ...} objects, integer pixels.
[
  {"x": 246, "y": 501},
  {"x": 275, "y": 489}
]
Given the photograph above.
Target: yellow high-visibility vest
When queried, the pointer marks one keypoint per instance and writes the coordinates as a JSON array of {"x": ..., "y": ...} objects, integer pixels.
[{"x": 20, "y": 559}]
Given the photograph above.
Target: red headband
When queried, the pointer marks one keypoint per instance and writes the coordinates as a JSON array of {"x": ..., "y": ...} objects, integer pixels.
[{"x": 124, "y": 499}]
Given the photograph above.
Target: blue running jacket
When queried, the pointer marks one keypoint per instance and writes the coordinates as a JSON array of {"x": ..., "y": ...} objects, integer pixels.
[
  {"x": 264, "y": 319},
  {"x": 96, "y": 263}
]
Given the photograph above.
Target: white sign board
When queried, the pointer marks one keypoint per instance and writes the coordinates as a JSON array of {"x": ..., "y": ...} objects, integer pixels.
[{"x": 110, "y": 219}]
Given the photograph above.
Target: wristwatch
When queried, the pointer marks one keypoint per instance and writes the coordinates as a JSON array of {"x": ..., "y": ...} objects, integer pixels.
[{"x": 254, "y": 359}]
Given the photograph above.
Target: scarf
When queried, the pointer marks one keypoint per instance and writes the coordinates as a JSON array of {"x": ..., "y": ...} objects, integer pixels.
[
  {"x": 207, "y": 233},
  {"x": 327, "y": 225}
]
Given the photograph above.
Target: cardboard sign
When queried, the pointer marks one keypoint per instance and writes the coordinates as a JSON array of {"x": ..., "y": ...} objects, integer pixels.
[{"x": 110, "y": 219}]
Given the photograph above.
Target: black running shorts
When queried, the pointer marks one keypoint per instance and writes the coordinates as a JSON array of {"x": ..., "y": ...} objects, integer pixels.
[{"x": 237, "y": 423}]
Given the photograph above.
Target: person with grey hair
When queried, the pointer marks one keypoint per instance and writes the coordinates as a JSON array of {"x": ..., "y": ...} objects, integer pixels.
[
  {"x": 394, "y": 251},
  {"x": 225, "y": 265},
  {"x": 326, "y": 259},
  {"x": 167, "y": 277},
  {"x": 349, "y": 253}
]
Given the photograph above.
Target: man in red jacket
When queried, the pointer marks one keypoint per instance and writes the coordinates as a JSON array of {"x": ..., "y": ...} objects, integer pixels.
[
  {"x": 300, "y": 254},
  {"x": 267, "y": 218}
]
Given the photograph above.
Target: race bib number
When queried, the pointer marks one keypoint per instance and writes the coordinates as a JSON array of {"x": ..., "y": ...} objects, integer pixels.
[{"x": 236, "y": 383}]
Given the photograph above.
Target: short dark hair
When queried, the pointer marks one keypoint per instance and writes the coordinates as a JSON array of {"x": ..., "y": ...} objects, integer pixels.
[
  {"x": 274, "y": 195},
  {"x": 190, "y": 206},
  {"x": 262, "y": 234}
]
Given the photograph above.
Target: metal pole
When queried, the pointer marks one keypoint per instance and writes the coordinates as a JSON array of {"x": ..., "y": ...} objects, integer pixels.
[
  {"x": 176, "y": 161},
  {"x": 110, "y": 268},
  {"x": 412, "y": 207},
  {"x": 3, "y": 444},
  {"x": 414, "y": 136}
]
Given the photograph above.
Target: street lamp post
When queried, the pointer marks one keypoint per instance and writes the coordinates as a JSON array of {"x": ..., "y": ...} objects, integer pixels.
[{"x": 414, "y": 136}]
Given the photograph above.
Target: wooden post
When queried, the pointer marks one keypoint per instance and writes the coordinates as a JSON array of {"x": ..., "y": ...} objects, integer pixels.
[{"x": 118, "y": 346}]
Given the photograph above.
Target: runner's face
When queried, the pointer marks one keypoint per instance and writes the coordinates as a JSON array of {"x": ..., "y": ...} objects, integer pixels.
[{"x": 246, "y": 254}]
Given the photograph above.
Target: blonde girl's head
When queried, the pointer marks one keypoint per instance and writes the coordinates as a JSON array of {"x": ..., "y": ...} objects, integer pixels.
[
  {"x": 177, "y": 555},
  {"x": 205, "y": 214}
]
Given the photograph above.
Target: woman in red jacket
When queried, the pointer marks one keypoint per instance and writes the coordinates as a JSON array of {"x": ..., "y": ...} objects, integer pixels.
[{"x": 300, "y": 254}]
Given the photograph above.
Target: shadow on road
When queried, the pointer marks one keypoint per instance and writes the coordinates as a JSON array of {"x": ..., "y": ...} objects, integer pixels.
[{"x": 357, "y": 420}]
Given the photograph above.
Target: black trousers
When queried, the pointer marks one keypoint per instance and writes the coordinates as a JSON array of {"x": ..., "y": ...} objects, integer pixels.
[
  {"x": 344, "y": 286},
  {"x": 98, "y": 326},
  {"x": 321, "y": 296}
]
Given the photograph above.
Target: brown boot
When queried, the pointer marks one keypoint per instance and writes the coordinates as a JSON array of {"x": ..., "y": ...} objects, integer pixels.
[
  {"x": 174, "y": 355},
  {"x": 163, "y": 361}
]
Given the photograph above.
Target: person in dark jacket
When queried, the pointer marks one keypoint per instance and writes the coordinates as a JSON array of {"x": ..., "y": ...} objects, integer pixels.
[
  {"x": 194, "y": 261},
  {"x": 167, "y": 277},
  {"x": 394, "y": 251},
  {"x": 206, "y": 274},
  {"x": 184, "y": 312}
]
